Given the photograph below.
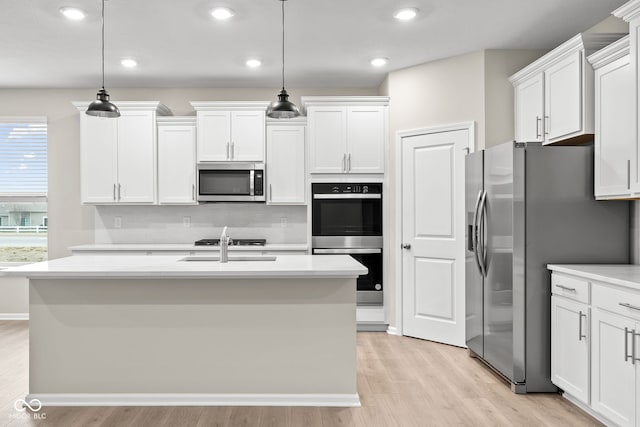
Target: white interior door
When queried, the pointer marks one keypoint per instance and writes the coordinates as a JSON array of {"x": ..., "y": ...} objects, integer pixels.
[{"x": 433, "y": 236}]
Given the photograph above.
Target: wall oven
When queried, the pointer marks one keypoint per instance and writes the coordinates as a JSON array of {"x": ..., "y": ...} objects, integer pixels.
[
  {"x": 346, "y": 218},
  {"x": 230, "y": 182}
]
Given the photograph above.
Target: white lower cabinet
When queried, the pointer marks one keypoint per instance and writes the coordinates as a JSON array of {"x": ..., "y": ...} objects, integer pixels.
[
  {"x": 570, "y": 347},
  {"x": 595, "y": 346}
]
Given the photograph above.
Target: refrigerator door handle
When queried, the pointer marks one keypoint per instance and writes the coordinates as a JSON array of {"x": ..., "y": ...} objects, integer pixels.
[
  {"x": 481, "y": 248},
  {"x": 474, "y": 232}
]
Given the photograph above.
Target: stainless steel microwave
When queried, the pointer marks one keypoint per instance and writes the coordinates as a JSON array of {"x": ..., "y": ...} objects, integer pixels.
[{"x": 230, "y": 182}]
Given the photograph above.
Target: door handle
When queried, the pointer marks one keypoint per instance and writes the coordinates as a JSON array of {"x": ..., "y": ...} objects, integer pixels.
[
  {"x": 482, "y": 247},
  {"x": 580, "y": 335},
  {"x": 406, "y": 246},
  {"x": 626, "y": 345},
  {"x": 474, "y": 232}
]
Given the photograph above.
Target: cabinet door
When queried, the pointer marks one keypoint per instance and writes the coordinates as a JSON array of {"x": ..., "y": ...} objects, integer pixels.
[
  {"x": 634, "y": 30},
  {"x": 563, "y": 98},
  {"x": 327, "y": 139},
  {"x": 247, "y": 135},
  {"x": 98, "y": 170},
  {"x": 176, "y": 165},
  {"x": 214, "y": 136},
  {"x": 615, "y": 128},
  {"x": 613, "y": 378},
  {"x": 529, "y": 100},
  {"x": 286, "y": 175},
  {"x": 366, "y": 134},
  {"x": 136, "y": 157},
  {"x": 570, "y": 347}
]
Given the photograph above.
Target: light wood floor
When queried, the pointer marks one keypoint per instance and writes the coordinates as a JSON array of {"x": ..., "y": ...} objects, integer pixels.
[{"x": 401, "y": 381}]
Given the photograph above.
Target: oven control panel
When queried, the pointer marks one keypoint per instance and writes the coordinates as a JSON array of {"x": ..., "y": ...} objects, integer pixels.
[{"x": 340, "y": 188}]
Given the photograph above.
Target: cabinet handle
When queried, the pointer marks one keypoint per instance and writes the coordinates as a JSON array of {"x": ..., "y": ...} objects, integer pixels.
[
  {"x": 626, "y": 304},
  {"x": 233, "y": 146},
  {"x": 633, "y": 347},
  {"x": 228, "y": 157},
  {"x": 114, "y": 192},
  {"x": 344, "y": 162},
  {"x": 566, "y": 288},
  {"x": 538, "y": 120},
  {"x": 270, "y": 193},
  {"x": 546, "y": 125},
  {"x": 626, "y": 344},
  {"x": 119, "y": 192},
  {"x": 349, "y": 162},
  {"x": 628, "y": 174},
  {"x": 193, "y": 192},
  {"x": 580, "y": 336}
]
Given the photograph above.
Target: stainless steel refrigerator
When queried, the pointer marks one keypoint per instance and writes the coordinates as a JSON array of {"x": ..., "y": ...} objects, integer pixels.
[{"x": 527, "y": 206}]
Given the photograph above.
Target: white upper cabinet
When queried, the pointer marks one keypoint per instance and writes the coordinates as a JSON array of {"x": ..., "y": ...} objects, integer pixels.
[
  {"x": 529, "y": 98},
  {"x": 347, "y": 134},
  {"x": 118, "y": 155},
  {"x": 230, "y": 131},
  {"x": 286, "y": 173},
  {"x": 554, "y": 94},
  {"x": 177, "y": 160},
  {"x": 615, "y": 142}
]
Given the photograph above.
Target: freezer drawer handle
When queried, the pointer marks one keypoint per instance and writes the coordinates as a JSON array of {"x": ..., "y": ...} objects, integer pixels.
[
  {"x": 566, "y": 288},
  {"x": 580, "y": 335},
  {"x": 481, "y": 247},
  {"x": 626, "y": 304}
]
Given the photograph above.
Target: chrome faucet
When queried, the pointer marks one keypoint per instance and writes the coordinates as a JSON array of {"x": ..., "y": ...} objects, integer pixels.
[{"x": 224, "y": 245}]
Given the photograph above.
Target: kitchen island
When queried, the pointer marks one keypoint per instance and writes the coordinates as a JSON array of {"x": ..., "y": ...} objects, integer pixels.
[{"x": 161, "y": 330}]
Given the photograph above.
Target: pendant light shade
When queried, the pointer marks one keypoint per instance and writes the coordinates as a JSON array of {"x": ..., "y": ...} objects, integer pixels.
[
  {"x": 102, "y": 107},
  {"x": 283, "y": 108}
]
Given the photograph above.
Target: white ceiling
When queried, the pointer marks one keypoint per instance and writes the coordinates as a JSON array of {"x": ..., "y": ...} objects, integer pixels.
[{"x": 329, "y": 43}]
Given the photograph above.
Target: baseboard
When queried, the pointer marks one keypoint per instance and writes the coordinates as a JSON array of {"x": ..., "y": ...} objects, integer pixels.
[
  {"x": 194, "y": 399},
  {"x": 392, "y": 330},
  {"x": 604, "y": 420},
  {"x": 14, "y": 316},
  {"x": 371, "y": 327}
]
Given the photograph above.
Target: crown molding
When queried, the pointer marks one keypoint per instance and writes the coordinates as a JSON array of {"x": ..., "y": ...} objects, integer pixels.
[
  {"x": 587, "y": 42},
  {"x": 628, "y": 11},
  {"x": 616, "y": 50},
  {"x": 229, "y": 105},
  {"x": 176, "y": 121}
]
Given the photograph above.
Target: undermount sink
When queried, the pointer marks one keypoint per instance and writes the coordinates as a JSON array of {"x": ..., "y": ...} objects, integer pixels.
[{"x": 231, "y": 258}]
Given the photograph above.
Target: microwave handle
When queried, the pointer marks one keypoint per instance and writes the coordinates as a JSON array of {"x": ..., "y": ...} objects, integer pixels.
[{"x": 252, "y": 185}]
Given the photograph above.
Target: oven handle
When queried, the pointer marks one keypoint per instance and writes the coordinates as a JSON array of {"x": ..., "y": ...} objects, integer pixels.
[
  {"x": 347, "y": 196},
  {"x": 347, "y": 251}
]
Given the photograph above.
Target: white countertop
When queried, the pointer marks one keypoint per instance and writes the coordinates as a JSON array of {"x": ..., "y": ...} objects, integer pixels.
[
  {"x": 170, "y": 266},
  {"x": 177, "y": 247},
  {"x": 627, "y": 275}
]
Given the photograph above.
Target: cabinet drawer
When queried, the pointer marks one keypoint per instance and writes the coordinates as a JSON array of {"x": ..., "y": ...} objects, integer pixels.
[
  {"x": 616, "y": 300},
  {"x": 570, "y": 287}
]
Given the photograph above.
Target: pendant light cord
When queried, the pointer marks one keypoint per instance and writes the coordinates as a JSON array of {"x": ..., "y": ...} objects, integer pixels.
[
  {"x": 102, "y": 44},
  {"x": 282, "y": 43}
]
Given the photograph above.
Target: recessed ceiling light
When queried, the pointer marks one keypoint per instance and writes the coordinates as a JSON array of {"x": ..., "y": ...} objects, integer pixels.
[
  {"x": 129, "y": 63},
  {"x": 406, "y": 14},
  {"x": 253, "y": 63},
  {"x": 222, "y": 13},
  {"x": 73, "y": 13},
  {"x": 379, "y": 62}
]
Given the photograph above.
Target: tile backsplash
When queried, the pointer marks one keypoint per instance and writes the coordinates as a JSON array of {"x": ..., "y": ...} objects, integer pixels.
[{"x": 186, "y": 224}]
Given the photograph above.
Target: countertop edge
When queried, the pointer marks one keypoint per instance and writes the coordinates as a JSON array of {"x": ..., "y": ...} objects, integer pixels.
[{"x": 612, "y": 276}]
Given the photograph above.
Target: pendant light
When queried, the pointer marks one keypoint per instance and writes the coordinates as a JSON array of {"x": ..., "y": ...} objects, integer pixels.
[
  {"x": 102, "y": 107},
  {"x": 282, "y": 108}
]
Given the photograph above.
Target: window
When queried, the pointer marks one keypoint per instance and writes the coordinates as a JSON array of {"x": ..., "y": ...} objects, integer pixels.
[{"x": 23, "y": 189}]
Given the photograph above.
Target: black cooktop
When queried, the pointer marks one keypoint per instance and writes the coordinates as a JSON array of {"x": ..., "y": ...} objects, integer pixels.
[{"x": 233, "y": 242}]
